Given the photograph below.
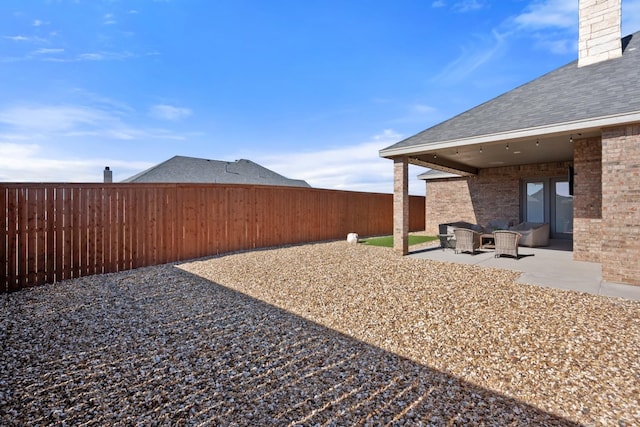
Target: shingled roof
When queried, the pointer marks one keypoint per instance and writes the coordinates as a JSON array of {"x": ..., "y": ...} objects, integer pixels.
[
  {"x": 606, "y": 93},
  {"x": 181, "y": 169}
]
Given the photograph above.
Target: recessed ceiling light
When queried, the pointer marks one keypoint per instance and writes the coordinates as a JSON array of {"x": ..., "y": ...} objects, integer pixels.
[{"x": 517, "y": 152}]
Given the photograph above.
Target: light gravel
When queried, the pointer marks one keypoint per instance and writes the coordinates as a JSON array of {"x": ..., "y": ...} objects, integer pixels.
[{"x": 322, "y": 334}]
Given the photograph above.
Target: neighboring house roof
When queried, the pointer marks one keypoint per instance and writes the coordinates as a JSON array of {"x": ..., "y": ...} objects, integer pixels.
[
  {"x": 568, "y": 98},
  {"x": 432, "y": 174},
  {"x": 181, "y": 169}
]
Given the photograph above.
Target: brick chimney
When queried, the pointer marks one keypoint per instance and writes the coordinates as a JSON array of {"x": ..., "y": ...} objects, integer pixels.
[
  {"x": 108, "y": 175},
  {"x": 599, "y": 31}
]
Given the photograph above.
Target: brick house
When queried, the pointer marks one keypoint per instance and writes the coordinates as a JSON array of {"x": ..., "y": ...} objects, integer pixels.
[{"x": 562, "y": 149}]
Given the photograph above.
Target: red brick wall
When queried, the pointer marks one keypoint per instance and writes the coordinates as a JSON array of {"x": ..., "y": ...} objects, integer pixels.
[
  {"x": 496, "y": 194},
  {"x": 621, "y": 204},
  {"x": 447, "y": 201},
  {"x": 587, "y": 201}
]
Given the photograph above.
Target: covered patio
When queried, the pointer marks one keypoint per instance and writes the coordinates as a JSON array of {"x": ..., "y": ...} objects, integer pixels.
[{"x": 563, "y": 149}]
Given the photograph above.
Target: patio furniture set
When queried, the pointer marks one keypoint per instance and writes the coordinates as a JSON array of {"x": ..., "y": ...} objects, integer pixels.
[{"x": 499, "y": 235}]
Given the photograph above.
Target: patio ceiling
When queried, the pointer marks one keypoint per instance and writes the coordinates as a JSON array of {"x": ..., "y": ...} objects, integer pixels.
[{"x": 467, "y": 157}]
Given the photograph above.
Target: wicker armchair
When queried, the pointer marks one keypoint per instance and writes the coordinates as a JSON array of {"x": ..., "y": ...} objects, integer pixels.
[
  {"x": 466, "y": 240},
  {"x": 506, "y": 243}
]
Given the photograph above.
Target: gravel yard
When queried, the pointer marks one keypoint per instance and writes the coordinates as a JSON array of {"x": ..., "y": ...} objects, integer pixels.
[{"x": 322, "y": 334}]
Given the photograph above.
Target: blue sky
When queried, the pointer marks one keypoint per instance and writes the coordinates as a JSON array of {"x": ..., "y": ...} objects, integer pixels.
[{"x": 311, "y": 89}]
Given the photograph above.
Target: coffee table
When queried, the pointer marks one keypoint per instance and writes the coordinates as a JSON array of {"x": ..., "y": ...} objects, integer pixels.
[{"x": 487, "y": 241}]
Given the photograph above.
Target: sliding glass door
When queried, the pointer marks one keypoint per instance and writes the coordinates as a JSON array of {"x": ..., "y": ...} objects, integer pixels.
[
  {"x": 536, "y": 202},
  {"x": 561, "y": 210},
  {"x": 548, "y": 200}
]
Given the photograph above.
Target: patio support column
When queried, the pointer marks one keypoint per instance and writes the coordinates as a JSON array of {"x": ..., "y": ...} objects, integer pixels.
[
  {"x": 620, "y": 201},
  {"x": 401, "y": 205}
]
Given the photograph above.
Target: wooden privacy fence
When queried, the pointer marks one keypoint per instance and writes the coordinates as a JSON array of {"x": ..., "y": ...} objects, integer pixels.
[{"x": 52, "y": 231}]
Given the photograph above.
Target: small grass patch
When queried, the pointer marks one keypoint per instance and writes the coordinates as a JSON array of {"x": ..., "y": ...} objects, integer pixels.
[{"x": 387, "y": 241}]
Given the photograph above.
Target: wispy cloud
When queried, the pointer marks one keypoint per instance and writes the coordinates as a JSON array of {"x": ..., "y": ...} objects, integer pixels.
[
  {"x": 73, "y": 121},
  {"x": 95, "y": 100},
  {"x": 63, "y": 55},
  {"x": 422, "y": 109},
  {"x": 124, "y": 132},
  {"x": 27, "y": 130},
  {"x": 74, "y": 51},
  {"x": 109, "y": 19},
  {"x": 27, "y": 39},
  {"x": 104, "y": 56},
  {"x": 47, "y": 51},
  {"x": 17, "y": 38},
  {"x": 30, "y": 163},
  {"x": 13, "y": 150},
  {"x": 460, "y": 6},
  {"x": 556, "y": 43},
  {"x": 415, "y": 113},
  {"x": 472, "y": 57},
  {"x": 92, "y": 56},
  {"x": 551, "y": 24},
  {"x": 468, "y": 6},
  {"x": 53, "y": 118},
  {"x": 549, "y": 14},
  {"x": 169, "y": 112},
  {"x": 353, "y": 167}
]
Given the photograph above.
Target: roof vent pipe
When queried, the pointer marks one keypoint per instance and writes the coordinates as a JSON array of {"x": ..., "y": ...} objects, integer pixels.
[{"x": 108, "y": 175}]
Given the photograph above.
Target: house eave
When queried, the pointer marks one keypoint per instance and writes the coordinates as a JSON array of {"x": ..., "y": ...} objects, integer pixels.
[{"x": 592, "y": 124}]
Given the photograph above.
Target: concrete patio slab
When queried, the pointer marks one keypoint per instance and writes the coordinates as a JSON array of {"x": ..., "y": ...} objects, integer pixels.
[{"x": 551, "y": 266}]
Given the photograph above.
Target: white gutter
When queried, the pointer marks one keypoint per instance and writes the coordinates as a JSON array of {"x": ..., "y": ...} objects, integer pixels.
[{"x": 560, "y": 128}]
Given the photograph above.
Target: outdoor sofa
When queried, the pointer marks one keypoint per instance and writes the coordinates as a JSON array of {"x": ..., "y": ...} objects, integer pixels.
[{"x": 532, "y": 234}]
